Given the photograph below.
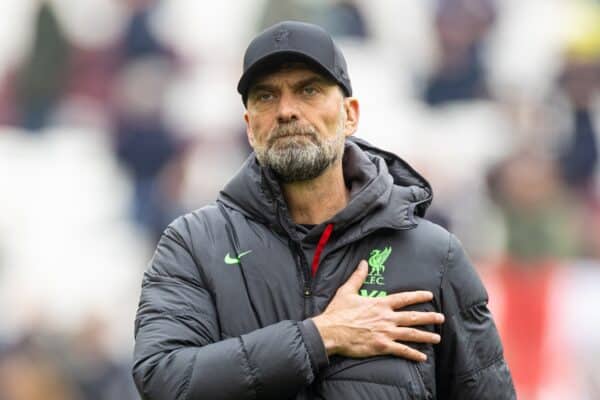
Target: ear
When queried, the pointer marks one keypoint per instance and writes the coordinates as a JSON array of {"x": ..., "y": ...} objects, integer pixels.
[
  {"x": 249, "y": 132},
  {"x": 352, "y": 110}
]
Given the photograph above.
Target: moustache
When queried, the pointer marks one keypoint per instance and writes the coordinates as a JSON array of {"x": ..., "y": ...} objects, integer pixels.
[{"x": 292, "y": 130}]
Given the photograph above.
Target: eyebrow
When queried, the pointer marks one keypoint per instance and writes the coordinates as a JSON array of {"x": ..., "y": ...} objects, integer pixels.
[
  {"x": 297, "y": 85},
  {"x": 312, "y": 79}
]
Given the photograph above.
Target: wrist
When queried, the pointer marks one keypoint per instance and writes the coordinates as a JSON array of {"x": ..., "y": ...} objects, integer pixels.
[{"x": 327, "y": 333}]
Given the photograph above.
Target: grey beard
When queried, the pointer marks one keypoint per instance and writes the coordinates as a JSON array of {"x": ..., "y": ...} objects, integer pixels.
[{"x": 299, "y": 159}]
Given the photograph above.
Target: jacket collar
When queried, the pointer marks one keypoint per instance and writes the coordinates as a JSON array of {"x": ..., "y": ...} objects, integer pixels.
[{"x": 385, "y": 193}]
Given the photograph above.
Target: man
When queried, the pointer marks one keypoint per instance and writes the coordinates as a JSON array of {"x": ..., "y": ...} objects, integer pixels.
[{"x": 259, "y": 296}]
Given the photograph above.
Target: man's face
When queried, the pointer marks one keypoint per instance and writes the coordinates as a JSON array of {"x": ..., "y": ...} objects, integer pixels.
[{"x": 297, "y": 121}]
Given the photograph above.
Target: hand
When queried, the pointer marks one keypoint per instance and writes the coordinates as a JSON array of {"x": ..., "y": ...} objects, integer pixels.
[{"x": 356, "y": 326}]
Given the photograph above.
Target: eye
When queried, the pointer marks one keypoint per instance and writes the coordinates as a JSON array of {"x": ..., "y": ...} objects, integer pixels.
[
  {"x": 309, "y": 90},
  {"x": 264, "y": 96}
]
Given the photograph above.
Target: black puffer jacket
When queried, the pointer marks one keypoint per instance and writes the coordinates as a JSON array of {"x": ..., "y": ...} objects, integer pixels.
[{"x": 225, "y": 304}]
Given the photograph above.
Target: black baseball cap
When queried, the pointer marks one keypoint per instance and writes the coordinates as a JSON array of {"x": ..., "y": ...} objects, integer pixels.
[{"x": 294, "y": 41}]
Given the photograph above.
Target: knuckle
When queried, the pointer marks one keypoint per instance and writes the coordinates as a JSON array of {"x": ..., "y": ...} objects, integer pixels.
[
  {"x": 412, "y": 334},
  {"x": 390, "y": 318},
  {"x": 405, "y": 298},
  {"x": 413, "y": 317},
  {"x": 414, "y": 354},
  {"x": 433, "y": 317},
  {"x": 398, "y": 299},
  {"x": 377, "y": 301},
  {"x": 401, "y": 334},
  {"x": 405, "y": 351},
  {"x": 379, "y": 345},
  {"x": 388, "y": 332},
  {"x": 381, "y": 308}
]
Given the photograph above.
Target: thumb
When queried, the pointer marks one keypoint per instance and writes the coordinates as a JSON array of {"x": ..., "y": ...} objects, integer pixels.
[{"x": 357, "y": 278}]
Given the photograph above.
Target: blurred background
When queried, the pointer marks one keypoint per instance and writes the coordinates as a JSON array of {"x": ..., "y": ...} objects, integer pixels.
[{"x": 116, "y": 116}]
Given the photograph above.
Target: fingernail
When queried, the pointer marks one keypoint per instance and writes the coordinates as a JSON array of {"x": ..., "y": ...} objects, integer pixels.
[
  {"x": 428, "y": 295},
  {"x": 440, "y": 318},
  {"x": 423, "y": 357}
]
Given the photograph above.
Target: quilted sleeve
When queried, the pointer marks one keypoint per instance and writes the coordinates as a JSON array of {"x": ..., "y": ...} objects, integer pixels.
[
  {"x": 178, "y": 352},
  {"x": 470, "y": 362}
]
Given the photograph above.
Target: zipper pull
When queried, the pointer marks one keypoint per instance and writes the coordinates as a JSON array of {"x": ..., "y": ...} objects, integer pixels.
[{"x": 307, "y": 291}]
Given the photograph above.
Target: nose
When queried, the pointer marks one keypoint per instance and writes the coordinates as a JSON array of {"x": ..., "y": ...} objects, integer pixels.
[{"x": 288, "y": 109}]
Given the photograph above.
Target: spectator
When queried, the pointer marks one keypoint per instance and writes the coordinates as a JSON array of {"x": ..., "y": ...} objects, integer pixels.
[
  {"x": 41, "y": 80},
  {"x": 539, "y": 214},
  {"x": 460, "y": 27},
  {"x": 29, "y": 371},
  {"x": 343, "y": 18},
  {"x": 96, "y": 374},
  {"x": 144, "y": 144},
  {"x": 580, "y": 82}
]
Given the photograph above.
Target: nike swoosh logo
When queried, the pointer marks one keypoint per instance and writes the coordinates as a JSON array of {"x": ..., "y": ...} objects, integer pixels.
[{"x": 232, "y": 260}]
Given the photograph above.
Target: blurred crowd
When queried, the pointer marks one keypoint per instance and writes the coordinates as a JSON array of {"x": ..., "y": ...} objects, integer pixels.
[{"x": 496, "y": 102}]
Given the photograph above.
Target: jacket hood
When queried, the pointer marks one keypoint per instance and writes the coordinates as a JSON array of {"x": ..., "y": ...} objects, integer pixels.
[{"x": 385, "y": 192}]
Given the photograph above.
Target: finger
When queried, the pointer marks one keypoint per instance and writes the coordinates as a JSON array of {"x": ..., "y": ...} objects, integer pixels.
[
  {"x": 416, "y": 318},
  {"x": 357, "y": 278},
  {"x": 414, "y": 335},
  {"x": 404, "y": 351},
  {"x": 401, "y": 300}
]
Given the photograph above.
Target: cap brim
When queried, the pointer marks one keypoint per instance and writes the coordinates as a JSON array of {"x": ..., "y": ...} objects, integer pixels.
[{"x": 266, "y": 62}]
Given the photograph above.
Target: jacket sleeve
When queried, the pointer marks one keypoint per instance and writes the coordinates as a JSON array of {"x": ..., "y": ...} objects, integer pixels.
[
  {"x": 470, "y": 362},
  {"x": 178, "y": 352}
]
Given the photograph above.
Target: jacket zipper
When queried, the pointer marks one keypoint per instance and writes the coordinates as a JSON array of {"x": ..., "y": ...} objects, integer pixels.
[
  {"x": 302, "y": 264},
  {"x": 308, "y": 272},
  {"x": 302, "y": 267}
]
